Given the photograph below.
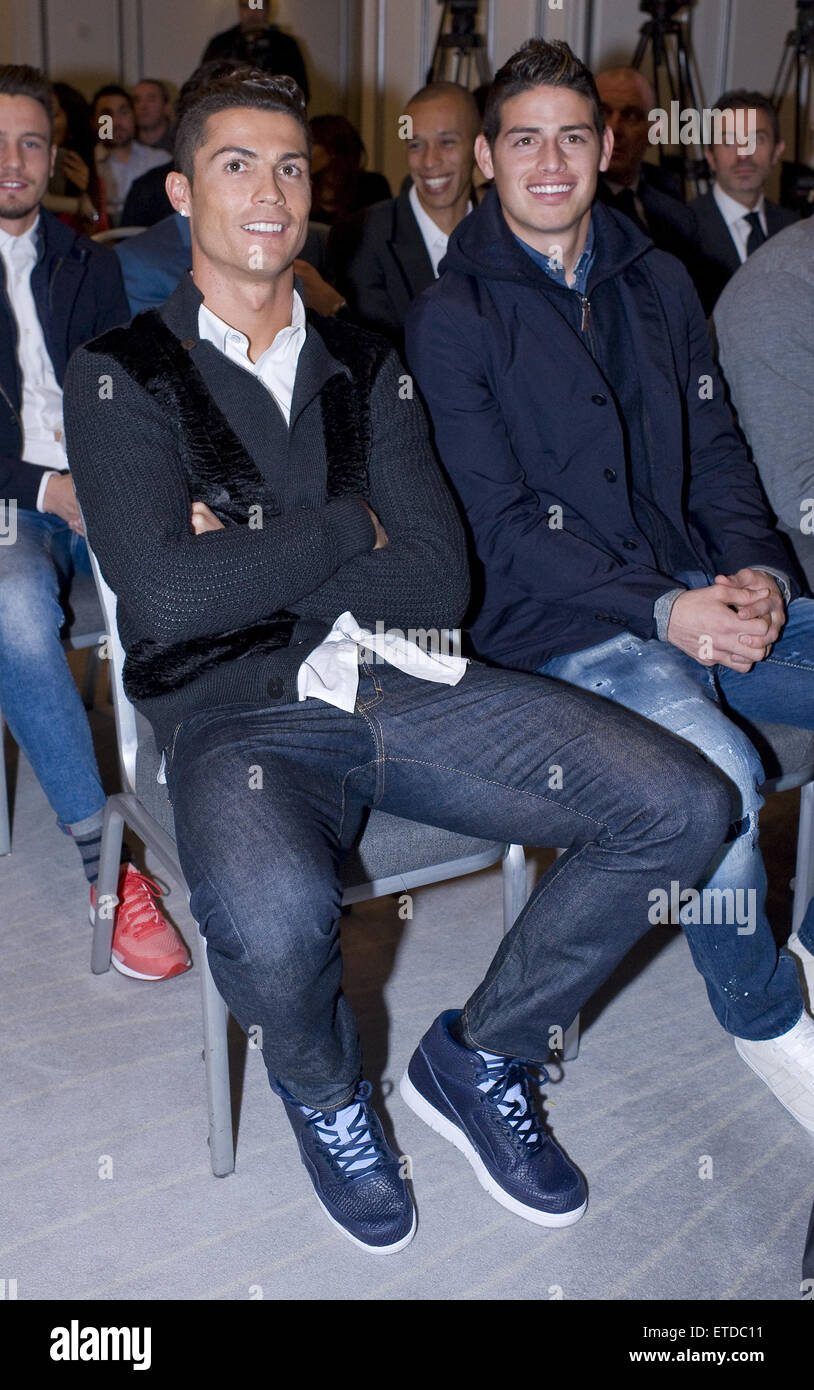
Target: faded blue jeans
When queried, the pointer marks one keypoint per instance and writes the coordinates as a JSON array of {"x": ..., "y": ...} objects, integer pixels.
[
  {"x": 38, "y": 694},
  {"x": 267, "y": 801},
  {"x": 754, "y": 991}
]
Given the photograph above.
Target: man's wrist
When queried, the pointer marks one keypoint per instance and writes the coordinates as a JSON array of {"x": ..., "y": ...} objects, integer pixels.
[{"x": 662, "y": 610}]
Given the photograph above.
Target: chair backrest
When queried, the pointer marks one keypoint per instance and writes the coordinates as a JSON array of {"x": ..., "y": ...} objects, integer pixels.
[
  {"x": 125, "y": 715},
  {"x": 117, "y": 234}
]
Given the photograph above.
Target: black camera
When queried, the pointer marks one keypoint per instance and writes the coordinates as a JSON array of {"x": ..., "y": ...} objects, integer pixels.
[{"x": 663, "y": 10}]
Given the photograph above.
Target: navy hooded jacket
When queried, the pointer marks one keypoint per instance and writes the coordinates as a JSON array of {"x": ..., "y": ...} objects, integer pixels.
[
  {"x": 534, "y": 442},
  {"x": 78, "y": 293}
]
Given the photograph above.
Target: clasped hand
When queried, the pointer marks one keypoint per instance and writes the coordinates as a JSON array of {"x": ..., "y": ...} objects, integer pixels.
[{"x": 733, "y": 622}]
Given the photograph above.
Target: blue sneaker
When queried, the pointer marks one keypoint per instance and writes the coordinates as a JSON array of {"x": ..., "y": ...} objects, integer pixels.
[
  {"x": 356, "y": 1175},
  {"x": 482, "y": 1103}
]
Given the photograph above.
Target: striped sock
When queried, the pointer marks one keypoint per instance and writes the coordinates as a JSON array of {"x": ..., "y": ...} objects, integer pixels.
[{"x": 90, "y": 847}]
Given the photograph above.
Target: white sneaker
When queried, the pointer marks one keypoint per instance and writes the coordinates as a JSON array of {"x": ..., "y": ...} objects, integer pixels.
[
  {"x": 786, "y": 1064},
  {"x": 805, "y": 961}
]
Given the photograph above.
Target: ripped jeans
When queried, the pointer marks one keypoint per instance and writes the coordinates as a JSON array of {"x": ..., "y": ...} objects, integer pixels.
[{"x": 753, "y": 989}]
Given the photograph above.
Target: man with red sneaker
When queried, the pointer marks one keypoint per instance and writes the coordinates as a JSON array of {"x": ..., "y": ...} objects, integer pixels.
[{"x": 60, "y": 290}]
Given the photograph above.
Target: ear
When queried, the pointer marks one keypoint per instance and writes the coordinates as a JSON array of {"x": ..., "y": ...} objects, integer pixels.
[
  {"x": 53, "y": 161},
  {"x": 483, "y": 156},
  {"x": 607, "y": 149},
  {"x": 179, "y": 192},
  {"x": 779, "y": 151}
]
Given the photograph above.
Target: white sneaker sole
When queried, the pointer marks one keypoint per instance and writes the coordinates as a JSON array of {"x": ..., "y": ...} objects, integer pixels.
[
  {"x": 371, "y": 1249},
  {"x": 807, "y": 1125},
  {"x": 432, "y": 1117}
]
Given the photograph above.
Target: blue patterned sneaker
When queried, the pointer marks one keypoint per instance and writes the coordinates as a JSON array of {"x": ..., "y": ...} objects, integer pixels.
[
  {"x": 482, "y": 1103},
  {"x": 356, "y": 1175}
]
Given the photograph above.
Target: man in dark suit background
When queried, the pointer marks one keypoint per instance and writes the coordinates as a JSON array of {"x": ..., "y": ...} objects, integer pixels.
[
  {"x": 645, "y": 193},
  {"x": 260, "y": 44},
  {"x": 383, "y": 256},
  {"x": 735, "y": 218}
]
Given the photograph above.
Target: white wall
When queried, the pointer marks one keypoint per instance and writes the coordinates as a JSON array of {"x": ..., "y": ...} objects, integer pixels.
[
  {"x": 87, "y": 42},
  {"x": 366, "y": 57}
]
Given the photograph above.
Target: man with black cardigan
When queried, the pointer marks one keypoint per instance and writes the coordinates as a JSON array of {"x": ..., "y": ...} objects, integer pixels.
[{"x": 262, "y": 496}]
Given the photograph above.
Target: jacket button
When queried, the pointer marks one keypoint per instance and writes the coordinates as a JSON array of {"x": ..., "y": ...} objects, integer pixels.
[
  {"x": 610, "y": 474},
  {"x": 189, "y": 343},
  {"x": 275, "y": 688},
  {"x": 599, "y": 399},
  {"x": 631, "y": 545}
]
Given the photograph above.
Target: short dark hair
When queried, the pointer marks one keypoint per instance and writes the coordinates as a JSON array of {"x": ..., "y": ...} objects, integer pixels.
[
  {"x": 247, "y": 87},
  {"x": 20, "y": 80},
  {"x": 739, "y": 98},
  {"x": 112, "y": 89},
  {"x": 154, "y": 82},
  {"x": 539, "y": 64}
]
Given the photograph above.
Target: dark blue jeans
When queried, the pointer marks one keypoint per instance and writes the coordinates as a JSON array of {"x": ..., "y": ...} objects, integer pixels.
[{"x": 501, "y": 755}]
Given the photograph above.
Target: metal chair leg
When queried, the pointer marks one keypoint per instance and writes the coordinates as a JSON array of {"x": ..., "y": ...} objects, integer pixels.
[
  {"x": 804, "y": 872},
  {"x": 91, "y": 677},
  {"x": 515, "y": 892},
  {"x": 216, "y": 1057},
  {"x": 5, "y": 810},
  {"x": 570, "y": 1042},
  {"x": 106, "y": 885}
]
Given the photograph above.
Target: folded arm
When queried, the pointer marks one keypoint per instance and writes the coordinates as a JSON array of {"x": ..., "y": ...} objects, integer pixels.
[{"x": 126, "y": 464}]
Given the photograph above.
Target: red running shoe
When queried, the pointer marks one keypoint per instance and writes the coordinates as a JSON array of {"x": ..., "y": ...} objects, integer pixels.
[{"x": 145, "y": 945}]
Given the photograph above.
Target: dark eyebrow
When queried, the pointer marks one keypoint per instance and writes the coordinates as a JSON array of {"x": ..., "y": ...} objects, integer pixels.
[
  {"x": 252, "y": 154},
  {"x": 535, "y": 129}
]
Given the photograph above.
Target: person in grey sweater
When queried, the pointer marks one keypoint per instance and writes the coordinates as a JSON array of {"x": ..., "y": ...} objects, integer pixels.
[
  {"x": 261, "y": 493},
  {"x": 764, "y": 323}
]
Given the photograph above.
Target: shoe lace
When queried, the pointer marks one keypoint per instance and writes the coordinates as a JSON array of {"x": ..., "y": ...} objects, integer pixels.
[
  {"x": 346, "y": 1135},
  {"x": 137, "y": 903},
  {"x": 504, "y": 1082}
]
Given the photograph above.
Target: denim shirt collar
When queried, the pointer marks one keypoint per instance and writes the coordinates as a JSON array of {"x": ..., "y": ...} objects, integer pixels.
[{"x": 556, "y": 272}]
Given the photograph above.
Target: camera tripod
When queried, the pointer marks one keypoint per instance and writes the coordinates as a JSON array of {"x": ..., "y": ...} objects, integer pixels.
[
  {"x": 663, "y": 35},
  {"x": 463, "y": 43},
  {"x": 797, "y": 59}
]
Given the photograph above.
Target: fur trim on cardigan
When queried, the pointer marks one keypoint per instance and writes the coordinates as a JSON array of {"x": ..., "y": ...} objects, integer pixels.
[{"x": 220, "y": 472}]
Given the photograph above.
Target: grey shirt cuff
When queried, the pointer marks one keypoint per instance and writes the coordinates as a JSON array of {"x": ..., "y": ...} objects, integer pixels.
[{"x": 662, "y": 609}]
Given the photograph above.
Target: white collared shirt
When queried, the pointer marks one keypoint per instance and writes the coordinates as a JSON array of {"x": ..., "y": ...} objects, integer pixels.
[
  {"x": 277, "y": 366},
  {"x": 735, "y": 215},
  {"x": 41, "y": 411},
  {"x": 434, "y": 239}
]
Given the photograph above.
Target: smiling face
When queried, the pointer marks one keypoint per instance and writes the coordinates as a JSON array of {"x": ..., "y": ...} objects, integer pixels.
[
  {"x": 26, "y": 162},
  {"x": 250, "y": 195},
  {"x": 441, "y": 155},
  {"x": 545, "y": 162},
  {"x": 739, "y": 172}
]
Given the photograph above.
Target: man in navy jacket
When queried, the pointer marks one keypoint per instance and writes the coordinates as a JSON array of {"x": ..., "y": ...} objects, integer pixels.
[
  {"x": 57, "y": 291},
  {"x": 622, "y": 539}
]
